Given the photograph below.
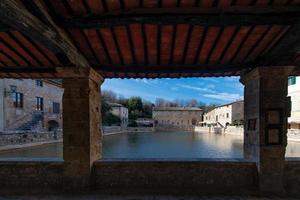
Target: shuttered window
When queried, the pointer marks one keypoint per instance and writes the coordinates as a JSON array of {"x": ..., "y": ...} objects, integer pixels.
[{"x": 292, "y": 80}]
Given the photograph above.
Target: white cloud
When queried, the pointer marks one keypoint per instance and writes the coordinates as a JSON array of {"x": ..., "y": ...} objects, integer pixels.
[
  {"x": 201, "y": 89},
  {"x": 147, "y": 81},
  {"x": 224, "y": 96}
]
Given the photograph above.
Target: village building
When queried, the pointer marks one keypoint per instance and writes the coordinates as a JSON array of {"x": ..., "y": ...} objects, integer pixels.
[
  {"x": 224, "y": 115},
  {"x": 146, "y": 122},
  {"x": 181, "y": 118},
  {"x": 294, "y": 93},
  {"x": 27, "y": 104},
  {"x": 120, "y": 111}
]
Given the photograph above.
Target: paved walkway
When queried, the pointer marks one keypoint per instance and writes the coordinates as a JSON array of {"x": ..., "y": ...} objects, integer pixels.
[
  {"x": 92, "y": 197},
  {"x": 27, "y": 145}
]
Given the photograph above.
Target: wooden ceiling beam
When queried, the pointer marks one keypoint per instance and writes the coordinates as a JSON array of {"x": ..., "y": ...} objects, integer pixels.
[
  {"x": 4, "y": 27},
  {"x": 173, "y": 68},
  {"x": 182, "y": 69},
  {"x": 193, "y": 19},
  {"x": 201, "y": 10},
  {"x": 13, "y": 14},
  {"x": 286, "y": 49}
]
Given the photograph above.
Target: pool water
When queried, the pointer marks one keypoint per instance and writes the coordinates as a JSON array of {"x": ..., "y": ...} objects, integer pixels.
[{"x": 173, "y": 145}]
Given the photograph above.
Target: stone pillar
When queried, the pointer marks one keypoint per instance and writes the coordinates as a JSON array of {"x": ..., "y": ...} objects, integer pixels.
[
  {"x": 265, "y": 115},
  {"x": 81, "y": 127}
]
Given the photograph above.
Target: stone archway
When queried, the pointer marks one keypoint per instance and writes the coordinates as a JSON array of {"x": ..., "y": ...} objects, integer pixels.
[{"x": 53, "y": 125}]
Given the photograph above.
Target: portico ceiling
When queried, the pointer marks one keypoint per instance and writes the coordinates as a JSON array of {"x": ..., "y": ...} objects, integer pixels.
[{"x": 148, "y": 38}]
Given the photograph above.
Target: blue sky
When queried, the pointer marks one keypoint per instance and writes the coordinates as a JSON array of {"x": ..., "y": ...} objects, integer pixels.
[{"x": 207, "y": 90}]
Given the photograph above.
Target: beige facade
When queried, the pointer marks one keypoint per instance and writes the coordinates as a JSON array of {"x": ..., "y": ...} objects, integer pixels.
[
  {"x": 120, "y": 111},
  {"x": 177, "y": 117},
  {"x": 232, "y": 113},
  {"x": 30, "y": 104}
]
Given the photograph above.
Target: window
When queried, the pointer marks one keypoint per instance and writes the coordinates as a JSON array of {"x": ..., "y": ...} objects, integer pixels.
[
  {"x": 227, "y": 115},
  {"x": 56, "y": 108},
  {"x": 39, "y": 83},
  {"x": 292, "y": 80},
  {"x": 18, "y": 99},
  {"x": 39, "y": 103}
]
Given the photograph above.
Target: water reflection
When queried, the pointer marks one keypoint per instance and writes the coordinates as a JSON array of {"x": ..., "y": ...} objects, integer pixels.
[{"x": 181, "y": 145}]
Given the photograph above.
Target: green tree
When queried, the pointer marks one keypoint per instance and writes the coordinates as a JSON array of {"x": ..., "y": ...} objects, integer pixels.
[
  {"x": 105, "y": 107},
  {"x": 111, "y": 119},
  {"x": 135, "y": 107},
  {"x": 147, "y": 109}
]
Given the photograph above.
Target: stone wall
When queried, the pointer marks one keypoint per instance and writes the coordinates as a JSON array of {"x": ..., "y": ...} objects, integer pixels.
[
  {"x": 24, "y": 137},
  {"x": 234, "y": 130},
  {"x": 204, "y": 129},
  {"x": 217, "y": 177},
  {"x": 171, "y": 128},
  {"x": 292, "y": 176},
  {"x": 30, "y": 176},
  {"x": 14, "y": 117},
  {"x": 176, "y": 117},
  {"x": 196, "y": 176},
  {"x": 140, "y": 129}
]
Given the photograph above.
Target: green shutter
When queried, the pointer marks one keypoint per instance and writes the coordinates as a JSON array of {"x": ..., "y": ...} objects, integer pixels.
[{"x": 292, "y": 80}]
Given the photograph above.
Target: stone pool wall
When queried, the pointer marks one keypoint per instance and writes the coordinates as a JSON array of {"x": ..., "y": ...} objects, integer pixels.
[
  {"x": 110, "y": 130},
  {"x": 175, "y": 176},
  {"x": 25, "y": 137},
  {"x": 188, "y": 177},
  {"x": 30, "y": 176}
]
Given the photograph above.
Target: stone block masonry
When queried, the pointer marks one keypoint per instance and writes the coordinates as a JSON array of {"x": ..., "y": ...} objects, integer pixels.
[
  {"x": 266, "y": 112},
  {"x": 14, "y": 117},
  {"x": 82, "y": 137},
  {"x": 25, "y": 137},
  {"x": 233, "y": 177}
]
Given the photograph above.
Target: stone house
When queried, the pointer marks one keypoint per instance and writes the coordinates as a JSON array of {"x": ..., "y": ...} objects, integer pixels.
[
  {"x": 27, "y": 104},
  {"x": 294, "y": 93},
  {"x": 178, "y": 118},
  {"x": 120, "y": 111},
  {"x": 231, "y": 113}
]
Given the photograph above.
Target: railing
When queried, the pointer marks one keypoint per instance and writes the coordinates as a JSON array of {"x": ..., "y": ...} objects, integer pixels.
[{"x": 27, "y": 117}]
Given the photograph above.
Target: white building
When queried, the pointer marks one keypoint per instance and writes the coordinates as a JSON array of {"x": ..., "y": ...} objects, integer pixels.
[
  {"x": 232, "y": 113},
  {"x": 120, "y": 111},
  {"x": 294, "y": 93}
]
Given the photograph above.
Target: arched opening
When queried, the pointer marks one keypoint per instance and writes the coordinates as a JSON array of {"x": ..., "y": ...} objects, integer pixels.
[
  {"x": 194, "y": 121},
  {"x": 53, "y": 125}
]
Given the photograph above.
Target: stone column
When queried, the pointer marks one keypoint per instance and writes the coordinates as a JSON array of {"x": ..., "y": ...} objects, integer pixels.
[
  {"x": 81, "y": 127},
  {"x": 265, "y": 115}
]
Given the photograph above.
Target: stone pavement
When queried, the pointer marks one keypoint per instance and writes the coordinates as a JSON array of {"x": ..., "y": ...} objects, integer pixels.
[{"x": 98, "y": 197}]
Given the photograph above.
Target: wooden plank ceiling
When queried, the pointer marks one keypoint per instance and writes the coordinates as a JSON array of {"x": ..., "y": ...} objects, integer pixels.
[{"x": 159, "y": 38}]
